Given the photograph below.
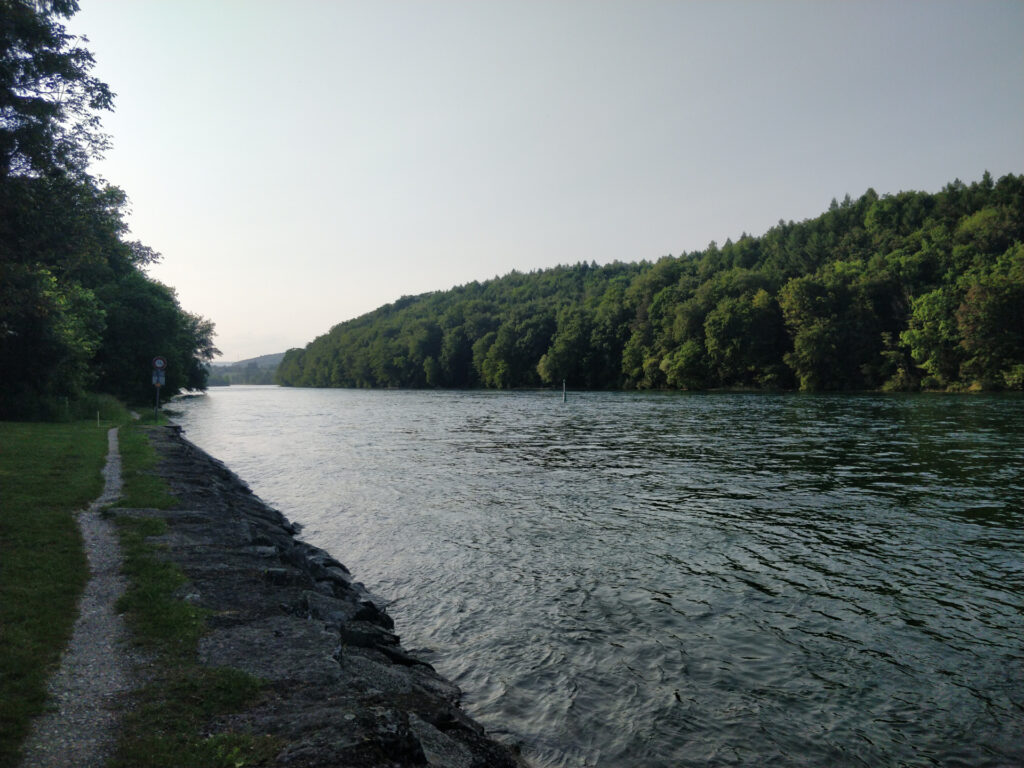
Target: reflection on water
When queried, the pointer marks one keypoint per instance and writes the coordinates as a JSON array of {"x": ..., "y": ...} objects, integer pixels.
[{"x": 673, "y": 580}]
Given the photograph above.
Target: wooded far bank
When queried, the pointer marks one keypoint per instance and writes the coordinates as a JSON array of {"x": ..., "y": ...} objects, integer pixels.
[{"x": 901, "y": 292}]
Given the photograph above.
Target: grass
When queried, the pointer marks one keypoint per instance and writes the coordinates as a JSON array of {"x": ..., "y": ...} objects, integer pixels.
[
  {"x": 47, "y": 471},
  {"x": 143, "y": 488},
  {"x": 147, "y": 416},
  {"x": 168, "y": 725},
  {"x": 158, "y": 620},
  {"x": 87, "y": 407}
]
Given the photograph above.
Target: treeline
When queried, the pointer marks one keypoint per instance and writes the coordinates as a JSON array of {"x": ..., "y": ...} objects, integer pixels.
[
  {"x": 250, "y": 373},
  {"x": 78, "y": 314},
  {"x": 900, "y": 292}
]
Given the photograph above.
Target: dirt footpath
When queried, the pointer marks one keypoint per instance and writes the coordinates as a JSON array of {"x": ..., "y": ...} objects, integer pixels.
[{"x": 97, "y": 669}]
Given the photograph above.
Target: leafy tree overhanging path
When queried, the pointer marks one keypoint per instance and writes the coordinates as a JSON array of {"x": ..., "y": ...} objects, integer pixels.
[{"x": 95, "y": 671}]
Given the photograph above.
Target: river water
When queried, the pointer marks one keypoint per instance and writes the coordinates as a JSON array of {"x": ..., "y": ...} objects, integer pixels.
[{"x": 655, "y": 579}]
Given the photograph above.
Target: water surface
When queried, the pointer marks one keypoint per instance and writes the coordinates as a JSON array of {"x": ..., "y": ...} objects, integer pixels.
[{"x": 675, "y": 579}]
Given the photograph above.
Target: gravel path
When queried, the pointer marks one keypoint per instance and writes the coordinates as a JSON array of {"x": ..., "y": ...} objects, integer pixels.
[{"x": 87, "y": 691}]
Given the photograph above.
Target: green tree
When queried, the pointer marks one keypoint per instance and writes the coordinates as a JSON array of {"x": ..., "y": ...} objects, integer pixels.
[
  {"x": 687, "y": 366},
  {"x": 143, "y": 321},
  {"x": 76, "y": 309},
  {"x": 877, "y": 291},
  {"x": 456, "y": 361},
  {"x": 568, "y": 357},
  {"x": 933, "y": 336},
  {"x": 745, "y": 341},
  {"x": 48, "y": 98},
  {"x": 811, "y": 312},
  {"x": 481, "y": 350},
  {"x": 49, "y": 331},
  {"x": 990, "y": 321},
  {"x": 608, "y": 334}
]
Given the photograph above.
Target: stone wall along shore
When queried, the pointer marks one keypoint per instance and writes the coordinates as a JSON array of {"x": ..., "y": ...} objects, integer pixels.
[{"x": 340, "y": 689}]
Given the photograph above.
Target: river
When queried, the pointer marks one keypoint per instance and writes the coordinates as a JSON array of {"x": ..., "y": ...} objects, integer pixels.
[{"x": 663, "y": 579}]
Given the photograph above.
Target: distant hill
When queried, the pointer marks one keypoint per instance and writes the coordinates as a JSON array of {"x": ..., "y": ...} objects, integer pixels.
[
  {"x": 263, "y": 361},
  {"x": 897, "y": 292},
  {"x": 255, "y": 370}
]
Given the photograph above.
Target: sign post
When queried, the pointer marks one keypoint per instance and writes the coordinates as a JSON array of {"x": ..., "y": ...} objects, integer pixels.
[{"x": 159, "y": 377}]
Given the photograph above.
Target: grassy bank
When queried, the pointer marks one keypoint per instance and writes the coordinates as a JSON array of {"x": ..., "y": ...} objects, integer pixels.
[
  {"x": 168, "y": 726},
  {"x": 47, "y": 471}
]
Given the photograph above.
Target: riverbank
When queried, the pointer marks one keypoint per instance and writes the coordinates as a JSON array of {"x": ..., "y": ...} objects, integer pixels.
[{"x": 338, "y": 688}]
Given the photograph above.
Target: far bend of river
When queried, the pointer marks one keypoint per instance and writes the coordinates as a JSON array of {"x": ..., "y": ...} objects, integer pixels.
[{"x": 653, "y": 579}]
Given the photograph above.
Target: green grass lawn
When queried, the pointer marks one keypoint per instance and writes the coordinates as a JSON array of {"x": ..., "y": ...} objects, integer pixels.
[{"x": 47, "y": 471}]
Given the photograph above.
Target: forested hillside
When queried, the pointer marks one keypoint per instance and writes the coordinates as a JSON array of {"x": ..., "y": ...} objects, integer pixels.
[
  {"x": 902, "y": 292},
  {"x": 256, "y": 370},
  {"x": 78, "y": 313}
]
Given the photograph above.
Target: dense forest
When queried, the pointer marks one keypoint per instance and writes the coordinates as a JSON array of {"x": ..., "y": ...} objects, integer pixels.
[
  {"x": 900, "y": 292},
  {"x": 78, "y": 314},
  {"x": 256, "y": 370}
]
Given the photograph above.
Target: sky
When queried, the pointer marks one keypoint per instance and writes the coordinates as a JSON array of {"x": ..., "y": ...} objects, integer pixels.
[{"x": 299, "y": 163}]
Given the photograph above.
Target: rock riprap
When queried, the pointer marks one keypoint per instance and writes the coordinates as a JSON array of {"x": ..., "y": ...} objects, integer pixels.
[{"x": 340, "y": 689}]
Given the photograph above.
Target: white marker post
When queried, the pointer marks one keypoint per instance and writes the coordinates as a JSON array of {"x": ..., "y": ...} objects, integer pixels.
[{"x": 159, "y": 378}]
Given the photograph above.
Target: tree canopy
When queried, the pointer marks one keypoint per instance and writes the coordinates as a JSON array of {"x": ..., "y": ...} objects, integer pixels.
[
  {"x": 77, "y": 311},
  {"x": 899, "y": 292}
]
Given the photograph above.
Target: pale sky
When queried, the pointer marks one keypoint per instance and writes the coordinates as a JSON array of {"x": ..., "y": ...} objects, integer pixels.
[{"x": 301, "y": 162}]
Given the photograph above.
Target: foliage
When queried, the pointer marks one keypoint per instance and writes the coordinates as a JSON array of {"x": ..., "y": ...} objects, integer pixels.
[
  {"x": 250, "y": 373},
  {"x": 897, "y": 292},
  {"x": 47, "y": 96},
  {"x": 77, "y": 312},
  {"x": 47, "y": 472}
]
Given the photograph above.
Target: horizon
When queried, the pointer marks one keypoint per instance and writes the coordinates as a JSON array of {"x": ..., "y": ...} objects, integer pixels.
[{"x": 321, "y": 160}]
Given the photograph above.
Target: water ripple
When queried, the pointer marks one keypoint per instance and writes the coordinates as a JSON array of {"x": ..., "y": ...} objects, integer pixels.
[{"x": 676, "y": 580}]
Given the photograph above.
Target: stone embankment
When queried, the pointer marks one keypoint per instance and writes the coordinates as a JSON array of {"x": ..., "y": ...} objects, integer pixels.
[{"x": 341, "y": 690}]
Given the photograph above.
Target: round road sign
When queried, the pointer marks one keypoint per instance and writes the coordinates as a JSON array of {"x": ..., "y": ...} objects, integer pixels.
[{"x": 159, "y": 363}]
